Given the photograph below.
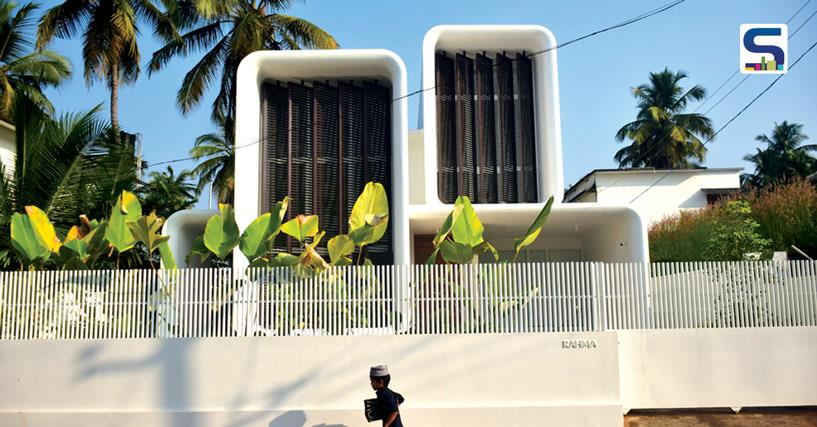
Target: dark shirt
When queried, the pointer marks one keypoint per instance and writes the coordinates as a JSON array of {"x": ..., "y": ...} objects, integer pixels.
[{"x": 388, "y": 400}]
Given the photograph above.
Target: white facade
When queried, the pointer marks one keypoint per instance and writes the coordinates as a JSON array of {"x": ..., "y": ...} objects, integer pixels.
[
  {"x": 318, "y": 65},
  {"x": 587, "y": 232},
  {"x": 8, "y": 147},
  {"x": 655, "y": 194}
]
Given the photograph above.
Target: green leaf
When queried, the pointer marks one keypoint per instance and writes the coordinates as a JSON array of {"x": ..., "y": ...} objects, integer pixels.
[
  {"x": 198, "y": 250},
  {"x": 533, "y": 231},
  {"x": 253, "y": 242},
  {"x": 432, "y": 259},
  {"x": 467, "y": 229},
  {"x": 301, "y": 227},
  {"x": 442, "y": 233},
  {"x": 371, "y": 208},
  {"x": 43, "y": 228},
  {"x": 283, "y": 260},
  {"x": 339, "y": 248},
  {"x": 456, "y": 253},
  {"x": 25, "y": 240},
  {"x": 168, "y": 261},
  {"x": 221, "y": 232},
  {"x": 76, "y": 244},
  {"x": 68, "y": 259},
  {"x": 146, "y": 229},
  {"x": 126, "y": 210}
]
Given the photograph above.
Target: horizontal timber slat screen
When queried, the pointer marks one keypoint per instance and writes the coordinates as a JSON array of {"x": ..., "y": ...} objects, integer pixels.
[{"x": 414, "y": 299}]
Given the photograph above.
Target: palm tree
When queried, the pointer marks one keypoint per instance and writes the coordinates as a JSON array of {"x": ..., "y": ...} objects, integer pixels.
[
  {"x": 167, "y": 193},
  {"x": 784, "y": 157},
  {"x": 109, "y": 30},
  {"x": 228, "y": 31},
  {"x": 23, "y": 71},
  {"x": 662, "y": 135},
  {"x": 217, "y": 166},
  {"x": 66, "y": 166}
]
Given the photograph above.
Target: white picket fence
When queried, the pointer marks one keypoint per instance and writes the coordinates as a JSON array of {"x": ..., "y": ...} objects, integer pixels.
[{"x": 416, "y": 299}]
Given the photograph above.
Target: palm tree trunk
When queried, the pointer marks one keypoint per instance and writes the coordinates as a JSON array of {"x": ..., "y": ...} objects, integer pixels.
[{"x": 115, "y": 100}]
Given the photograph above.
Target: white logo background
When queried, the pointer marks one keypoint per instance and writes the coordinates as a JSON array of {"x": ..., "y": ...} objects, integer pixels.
[{"x": 781, "y": 41}]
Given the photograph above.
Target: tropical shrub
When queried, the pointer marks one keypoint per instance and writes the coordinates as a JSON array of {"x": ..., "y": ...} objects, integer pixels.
[
  {"x": 787, "y": 214},
  {"x": 460, "y": 238},
  {"x": 34, "y": 237},
  {"x": 724, "y": 232},
  {"x": 367, "y": 224}
]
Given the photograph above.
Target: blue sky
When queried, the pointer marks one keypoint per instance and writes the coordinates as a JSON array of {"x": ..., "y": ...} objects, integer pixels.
[{"x": 595, "y": 75}]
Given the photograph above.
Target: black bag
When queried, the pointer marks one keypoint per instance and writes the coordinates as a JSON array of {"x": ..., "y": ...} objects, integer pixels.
[{"x": 372, "y": 410}]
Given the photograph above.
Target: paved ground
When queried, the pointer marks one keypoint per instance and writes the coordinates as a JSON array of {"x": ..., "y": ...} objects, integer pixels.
[{"x": 750, "y": 417}]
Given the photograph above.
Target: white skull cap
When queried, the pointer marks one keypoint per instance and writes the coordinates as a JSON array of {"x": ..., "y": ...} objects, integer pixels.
[{"x": 379, "y": 371}]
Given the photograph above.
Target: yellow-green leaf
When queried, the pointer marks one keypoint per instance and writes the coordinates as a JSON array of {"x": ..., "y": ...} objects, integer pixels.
[
  {"x": 43, "y": 228},
  {"x": 535, "y": 228},
  {"x": 301, "y": 227},
  {"x": 371, "y": 208},
  {"x": 340, "y": 247},
  {"x": 25, "y": 240},
  {"x": 221, "y": 232},
  {"x": 467, "y": 229}
]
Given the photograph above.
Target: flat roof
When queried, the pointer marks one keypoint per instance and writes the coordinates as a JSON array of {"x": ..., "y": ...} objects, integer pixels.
[{"x": 646, "y": 170}]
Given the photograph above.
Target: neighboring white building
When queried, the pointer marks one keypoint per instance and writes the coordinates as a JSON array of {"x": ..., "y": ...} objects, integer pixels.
[
  {"x": 8, "y": 147},
  {"x": 316, "y": 125},
  {"x": 655, "y": 194}
]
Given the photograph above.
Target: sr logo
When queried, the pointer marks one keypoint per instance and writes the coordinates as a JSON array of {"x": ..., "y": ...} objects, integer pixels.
[{"x": 764, "y": 48}]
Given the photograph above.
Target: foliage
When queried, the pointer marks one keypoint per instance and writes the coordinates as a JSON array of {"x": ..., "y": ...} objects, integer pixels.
[
  {"x": 367, "y": 224},
  {"x": 735, "y": 234},
  {"x": 787, "y": 214},
  {"x": 167, "y": 193},
  {"x": 460, "y": 238},
  {"x": 782, "y": 215},
  {"x": 784, "y": 157},
  {"x": 35, "y": 238},
  {"x": 109, "y": 31},
  {"x": 27, "y": 73},
  {"x": 216, "y": 157},
  {"x": 67, "y": 166},
  {"x": 662, "y": 135},
  {"x": 227, "y": 32},
  {"x": 724, "y": 232}
]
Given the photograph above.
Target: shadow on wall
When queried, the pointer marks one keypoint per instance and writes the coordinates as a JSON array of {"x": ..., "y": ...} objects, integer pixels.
[{"x": 296, "y": 419}]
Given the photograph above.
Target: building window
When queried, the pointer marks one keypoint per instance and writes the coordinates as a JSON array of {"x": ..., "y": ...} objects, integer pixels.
[
  {"x": 321, "y": 143},
  {"x": 486, "y": 141}
]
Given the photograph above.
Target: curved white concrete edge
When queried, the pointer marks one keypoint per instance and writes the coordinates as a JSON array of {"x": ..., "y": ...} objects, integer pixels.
[
  {"x": 318, "y": 65},
  {"x": 615, "y": 225},
  {"x": 184, "y": 227},
  {"x": 496, "y": 38}
]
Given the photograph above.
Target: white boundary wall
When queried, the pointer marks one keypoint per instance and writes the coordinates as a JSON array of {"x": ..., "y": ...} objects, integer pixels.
[
  {"x": 705, "y": 368},
  {"x": 482, "y": 380}
]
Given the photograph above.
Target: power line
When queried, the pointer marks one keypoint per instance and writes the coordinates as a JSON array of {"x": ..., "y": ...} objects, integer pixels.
[
  {"x": 630, "y": 21},
  {"x": 655, "y": 148},
  {"x": 738, "y": 70},
  {"x": 633, "y": 20},
  {"x": 735, "y": 116}
]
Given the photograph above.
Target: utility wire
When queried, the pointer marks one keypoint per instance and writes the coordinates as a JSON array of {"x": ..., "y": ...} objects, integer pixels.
[
  {"x": 630, "y": 21},
  {"x": 734, "y": 117},
  {"x": 738, "y": 70},
  {"x": 657, "y": 147},
  {"x": 633, "y": 20}
]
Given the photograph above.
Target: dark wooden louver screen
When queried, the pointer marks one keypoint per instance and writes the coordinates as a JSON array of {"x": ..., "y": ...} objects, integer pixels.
[
  {"x": 485, "y": 129},
  {"x": 321, "y": 144}
]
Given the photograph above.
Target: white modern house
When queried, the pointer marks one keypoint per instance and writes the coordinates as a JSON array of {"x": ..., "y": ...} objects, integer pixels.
[
  {"x": 316, "y": 125},
  {"x": 479, "y": 344},
  {"x": 656, "y": 193}
]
